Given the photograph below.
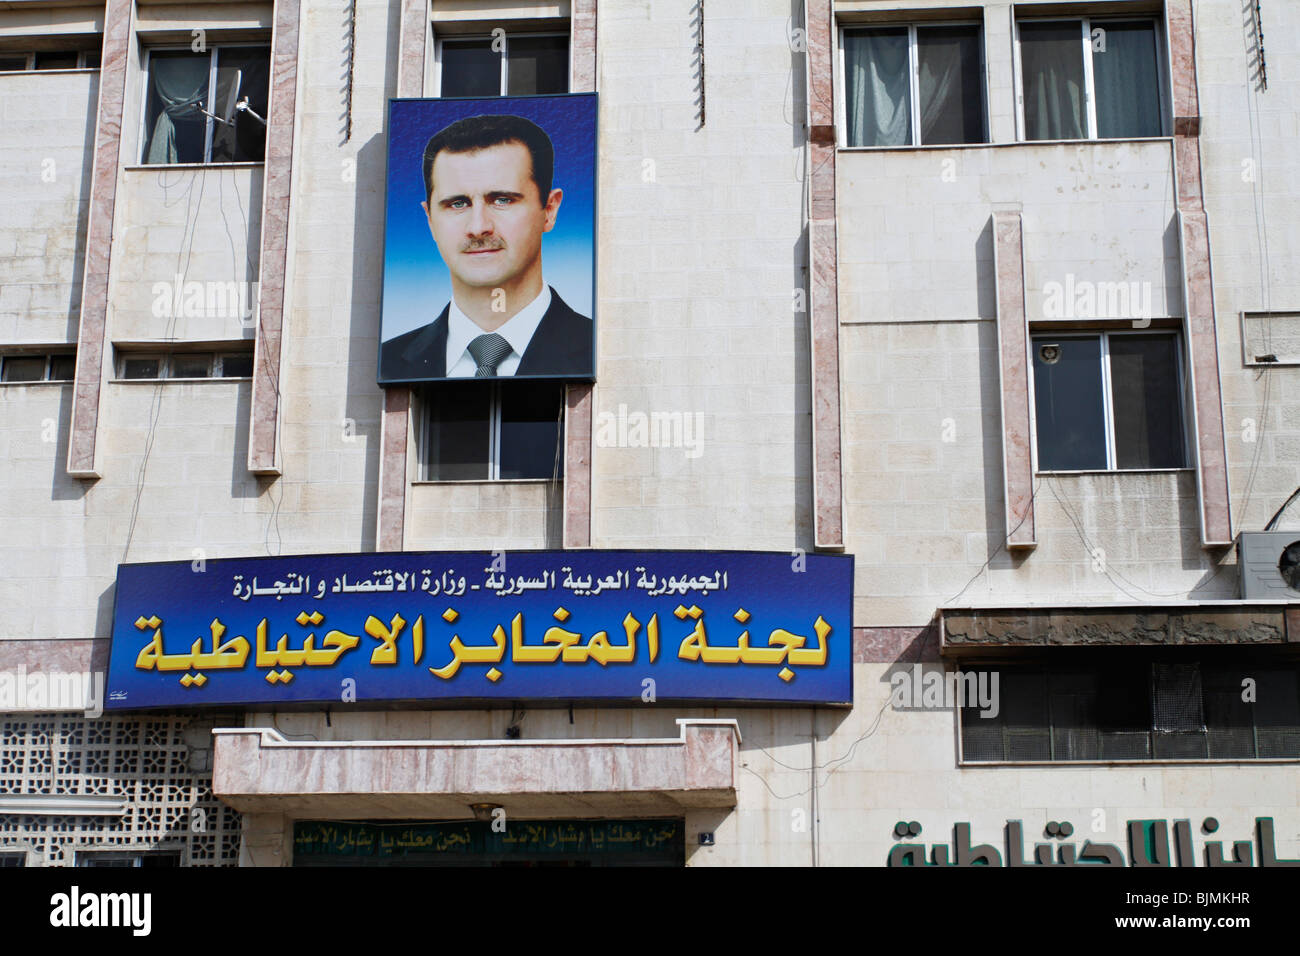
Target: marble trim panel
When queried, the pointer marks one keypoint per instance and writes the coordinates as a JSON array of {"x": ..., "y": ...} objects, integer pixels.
[
  {"x": 823, "y": 260},
  {"x": 580, "y": 399},
  {"x": 1198, "y": 285},
  {"x": 394, "y": 430},
  {"x": 263, "y": 431},
  {"x": 89, "y": 376},
  {"x": 1014, "y": 371}
]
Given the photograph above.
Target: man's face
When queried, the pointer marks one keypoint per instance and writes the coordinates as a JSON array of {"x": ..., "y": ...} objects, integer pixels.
[{"x": 486, "y": 216}]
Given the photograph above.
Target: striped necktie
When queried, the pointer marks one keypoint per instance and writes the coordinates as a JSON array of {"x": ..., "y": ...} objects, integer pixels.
[{"x": 487, "y": 351}]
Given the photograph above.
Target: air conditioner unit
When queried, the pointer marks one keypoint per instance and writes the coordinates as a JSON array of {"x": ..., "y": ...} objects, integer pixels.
[{"x": 1268, "y": 563}]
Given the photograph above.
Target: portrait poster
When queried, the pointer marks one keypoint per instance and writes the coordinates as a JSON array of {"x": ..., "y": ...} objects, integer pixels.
[{"x": 489, "y": 239}]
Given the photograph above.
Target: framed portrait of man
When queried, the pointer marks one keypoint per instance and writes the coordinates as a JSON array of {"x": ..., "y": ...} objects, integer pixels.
[{"x": 490, "y": 239}]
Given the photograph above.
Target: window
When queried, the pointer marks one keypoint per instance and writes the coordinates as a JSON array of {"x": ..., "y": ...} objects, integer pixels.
[
  {"x": 22, "y": 61},
  {"x": 11, "y": 858},
  {"x": 38, "y": 367},
  {"x": 511, "y": 65},
  {"x": 206, "y": 107},
  {"x": 502, "y": 430},
  {"x": 913, "y": 85},
  {"x": 1110, "y": 708},
  {"x": 1091, "y": 79},
  {"x": 187, "y": 365},
  {"x": 483, "y": 431},
  {"x": 1108, "y": 401},
  {"x": 150, "y": 858}
]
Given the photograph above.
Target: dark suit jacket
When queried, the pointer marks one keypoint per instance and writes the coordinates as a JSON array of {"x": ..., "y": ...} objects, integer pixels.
[{"x": 561, "y": 346}]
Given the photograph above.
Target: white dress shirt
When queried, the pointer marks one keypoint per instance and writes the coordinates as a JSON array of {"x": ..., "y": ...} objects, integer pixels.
[{"x": 518, "y": 331}]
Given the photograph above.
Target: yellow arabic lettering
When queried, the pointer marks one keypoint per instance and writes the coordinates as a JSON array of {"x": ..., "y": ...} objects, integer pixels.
[
  {"x": 386, "y": 652},
  {"x": 473, "y": 655}
]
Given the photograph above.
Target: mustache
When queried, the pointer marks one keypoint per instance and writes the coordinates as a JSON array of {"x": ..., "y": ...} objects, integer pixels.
[{"x": 482, "y": 245}]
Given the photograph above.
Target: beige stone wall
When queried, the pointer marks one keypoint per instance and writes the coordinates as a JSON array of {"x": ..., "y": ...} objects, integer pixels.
[
  {"x": 44, "y": 189},
  {"x": 699, "y": 268}
]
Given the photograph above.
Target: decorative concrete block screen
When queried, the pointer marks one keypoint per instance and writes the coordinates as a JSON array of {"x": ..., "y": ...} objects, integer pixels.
[{"x": 156, "y": 769}]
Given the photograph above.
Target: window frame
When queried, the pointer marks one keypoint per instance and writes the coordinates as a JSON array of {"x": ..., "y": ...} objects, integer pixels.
[
  {"x": 1085, "y": 22},
  {"x": 49, "y": 354},
  {"x": 495, "y": 404},
  {"x": 166, "y": 359},
  {"x": 134, "y": 859},
  {"x": 914, "y": 81},
  {"x": 1045, "y": 668},
  {"x": 30, "y": 67},
  {"x": 1108, "y": 411},
  {"x": 209, "y": 128},
  {"x": 504, "y": 85}
]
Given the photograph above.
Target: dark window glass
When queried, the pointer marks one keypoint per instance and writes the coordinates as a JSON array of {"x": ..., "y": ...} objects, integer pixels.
[
  {"x": 1124, "y": 713},
  {"x": 950, "y": 84},
  {"x": 1277, "y": 712},
  {"x": 197, "y": 365},
  {"x": 141, "y": 368},
  {"x": 878, "y": 87},
  {"x": 13, "y": 859},
  {"x": 23, "y": 368},
  {"x": 129, "y": 860},
  {"x": 1124, "y": 73},
  {"x": 180, "y": 90},
  {"x": 470, "y": 68},
  {"x": 242, "y": 73},
  {"x": 238, "y": 365},
  {"x": 459, "y": 436},
  {"x": 9, "y": 64},
  {"x": 91, "y": 59},
  {"x": 1068, "y": 404},
  {"x": 1177, "y": 711},
  {"x": 1051, "y": 58},
  {"x": 1140, "y": 709},
  {"x": 982, "y": 737},
  {"x": 63, "y": 368},
  {"x": 1025, "y": 716},
  {"x": 530, "y": 429},
  {"x": 57, "y": 60},
  {"x": 537, "y": 65},
  {"x": 1075, "y": 732},
  {"x": 1147, "y": 410},
  {"x": 175, "y": 127},
  {"x": 1229, "y": 721}
]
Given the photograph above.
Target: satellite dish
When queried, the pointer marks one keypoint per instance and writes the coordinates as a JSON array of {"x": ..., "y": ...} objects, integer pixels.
[{"x": 228, "y": 114}]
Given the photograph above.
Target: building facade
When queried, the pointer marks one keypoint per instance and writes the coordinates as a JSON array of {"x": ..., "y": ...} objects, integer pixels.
[{"x": 994, "y": 297}]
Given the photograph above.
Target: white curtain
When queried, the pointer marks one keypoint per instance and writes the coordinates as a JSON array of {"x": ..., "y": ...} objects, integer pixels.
[
  {"x": 939, "y": 78},
  {"x": 1052, "y": 57},
  {"x": 176, "y": 82},
  {"x": 1124, "y": 73},
  {"x": 879, "y": 102}
]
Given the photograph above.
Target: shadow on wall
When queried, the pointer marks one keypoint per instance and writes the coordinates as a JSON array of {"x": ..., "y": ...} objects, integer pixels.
[
  {"x": 363, "y": 407},
  {"x": 995, "y": 507},
  {"x": 83, "y": 214},
  {"x": 1250, "y": 13},
  {"x": 63, "y": 487},
  {"x": 986, "y": 289}
]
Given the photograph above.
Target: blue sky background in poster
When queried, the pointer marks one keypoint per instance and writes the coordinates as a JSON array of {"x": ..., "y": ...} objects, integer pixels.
[
  {"x": 416, "y": 282},
  {"x": 596, "y": 591}
]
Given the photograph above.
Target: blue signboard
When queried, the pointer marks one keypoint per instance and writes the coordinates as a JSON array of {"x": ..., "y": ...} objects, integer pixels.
[{"x": 612, "y": 626}]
